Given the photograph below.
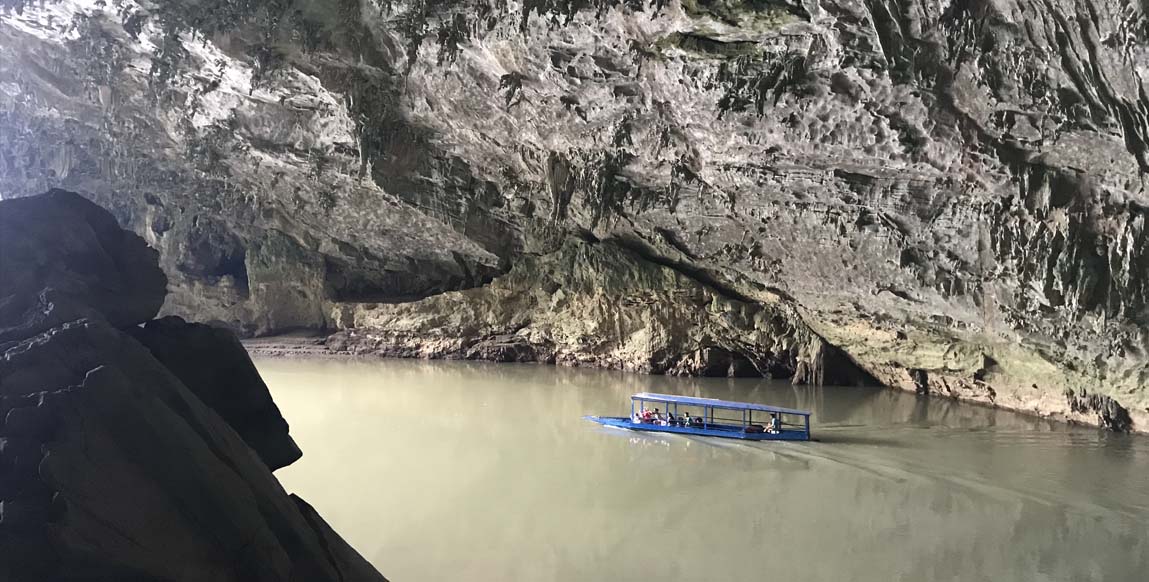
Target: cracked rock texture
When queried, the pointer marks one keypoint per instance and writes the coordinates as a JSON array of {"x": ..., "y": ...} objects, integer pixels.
[
  {"x": 949, "y": 194},
  {"x": 135, "y": 460}
]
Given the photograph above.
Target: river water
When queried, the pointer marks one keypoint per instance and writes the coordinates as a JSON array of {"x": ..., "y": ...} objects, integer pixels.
[{"x": 485, "y": 472}]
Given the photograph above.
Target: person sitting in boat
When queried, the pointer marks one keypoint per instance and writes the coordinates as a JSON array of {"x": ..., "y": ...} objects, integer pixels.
[
  {"x": 647, "y": 416},
  {"x": 658, "y": 418},
  {"x": 687, "y": 420},
  {"x": 775, "y": 424},
  {"x": 670, "y": 420}
]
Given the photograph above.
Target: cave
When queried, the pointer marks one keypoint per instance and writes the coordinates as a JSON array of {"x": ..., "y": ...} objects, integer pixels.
[
  {"x": 211, "y": 251},
  {"x": 923, "y": 225}
]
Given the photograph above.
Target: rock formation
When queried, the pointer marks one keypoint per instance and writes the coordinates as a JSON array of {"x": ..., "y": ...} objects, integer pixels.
[
  {"x": 214, "y": 366},
  {"x": 594, "y": 304},
  {"x": 948, "y": 196},
  {"x": 62, "y": 257},
  {"x": 120, "y": 460}
]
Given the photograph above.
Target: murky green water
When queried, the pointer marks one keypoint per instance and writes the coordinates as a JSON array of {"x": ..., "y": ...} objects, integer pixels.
[{"x": 460, "y": 471}]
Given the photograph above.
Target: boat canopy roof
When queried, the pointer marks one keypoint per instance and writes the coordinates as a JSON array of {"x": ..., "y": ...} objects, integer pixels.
[{"x": 715, "y": 403}]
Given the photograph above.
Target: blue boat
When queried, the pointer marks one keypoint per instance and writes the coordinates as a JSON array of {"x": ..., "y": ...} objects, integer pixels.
[{"x": 711, "y": 417}]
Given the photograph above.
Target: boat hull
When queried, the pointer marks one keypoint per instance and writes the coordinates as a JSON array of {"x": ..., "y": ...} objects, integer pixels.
[{"x": 720, "y": 431}]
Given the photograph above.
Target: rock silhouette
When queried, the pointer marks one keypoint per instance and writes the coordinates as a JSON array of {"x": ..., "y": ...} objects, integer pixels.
[{"x": 119, "y": 461}]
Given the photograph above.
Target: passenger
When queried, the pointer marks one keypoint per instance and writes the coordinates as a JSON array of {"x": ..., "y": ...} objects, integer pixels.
[
  {"x": 687, "y": 420},
  {"x": 775, "y": 424},
  {"x": 647, "y": 416},
  {"x": 658, "y": 418},
  {"x": 670, "y": 420}
]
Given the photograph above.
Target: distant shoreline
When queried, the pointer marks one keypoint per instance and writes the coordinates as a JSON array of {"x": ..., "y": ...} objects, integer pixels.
[
  {"x": 315, "y": 346},
  {"x": 291, "y": 346}
]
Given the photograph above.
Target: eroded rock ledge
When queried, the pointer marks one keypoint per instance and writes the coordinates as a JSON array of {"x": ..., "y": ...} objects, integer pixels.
[
  {"x": 598, "y": 304},
  {"x": 134, "y": 453}
]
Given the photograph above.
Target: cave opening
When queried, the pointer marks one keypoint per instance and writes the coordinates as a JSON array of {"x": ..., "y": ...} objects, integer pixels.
[
  {"x": 234, "y": 265},
  {"x": 213, "y": 252}
]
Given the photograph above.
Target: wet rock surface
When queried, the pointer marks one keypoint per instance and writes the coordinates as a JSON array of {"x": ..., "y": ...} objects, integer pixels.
[
  {"x": 927, "y": 187},
  {"x": 120, "y": 461}
]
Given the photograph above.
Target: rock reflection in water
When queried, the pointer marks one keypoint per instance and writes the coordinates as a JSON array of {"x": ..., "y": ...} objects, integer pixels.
[{"x": 439, "y": 470}]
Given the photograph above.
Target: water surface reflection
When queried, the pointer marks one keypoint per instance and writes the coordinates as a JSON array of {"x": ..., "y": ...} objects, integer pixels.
[{"x": 441, "y": 470}]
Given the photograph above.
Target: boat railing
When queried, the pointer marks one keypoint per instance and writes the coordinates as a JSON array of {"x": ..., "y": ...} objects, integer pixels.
[
  {"x": 719, "y": 415},
  {"x": 714, "y": 414},
  {"x": 741, "y": 422}
]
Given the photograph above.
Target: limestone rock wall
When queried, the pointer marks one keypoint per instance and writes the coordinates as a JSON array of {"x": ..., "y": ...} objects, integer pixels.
[
  {"x": 594, "y": 304},
  {"x": 950, "y": 194},
  {"x": 253, "y": 191}
]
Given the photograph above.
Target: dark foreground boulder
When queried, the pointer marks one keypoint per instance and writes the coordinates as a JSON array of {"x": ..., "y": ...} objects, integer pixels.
[
  {"x": 61, "y": 250},
  {"x": 213, "y": 364},
  {"x": 124, "y": 462},
  {"x": 112, "y": 469}
]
